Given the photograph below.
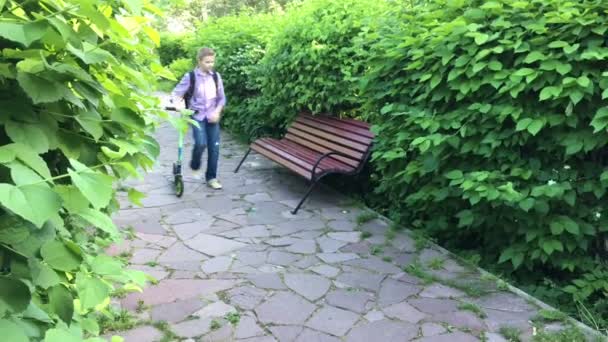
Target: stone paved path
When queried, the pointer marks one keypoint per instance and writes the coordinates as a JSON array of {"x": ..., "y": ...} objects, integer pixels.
[{"x": 235, "y": 265}]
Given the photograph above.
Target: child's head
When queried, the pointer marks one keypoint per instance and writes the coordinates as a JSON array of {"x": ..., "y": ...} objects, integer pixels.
[{"x": 206, "y": 59}]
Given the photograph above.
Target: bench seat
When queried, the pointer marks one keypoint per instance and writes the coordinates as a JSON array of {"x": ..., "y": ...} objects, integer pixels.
[{"x": 315, "y": 146}]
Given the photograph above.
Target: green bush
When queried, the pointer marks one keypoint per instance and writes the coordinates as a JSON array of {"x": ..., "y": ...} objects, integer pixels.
[
  {"x": 492, "y": 132},
  {"x": 75, "y": 119},
  {"x": 181, "y": 66},
  {"x": 314, "y": 63},
  {"x": 174, "y": 46}
]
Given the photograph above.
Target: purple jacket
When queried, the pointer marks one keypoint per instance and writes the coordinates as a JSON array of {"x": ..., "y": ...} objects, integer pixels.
[{"x": 205, "y": 98}]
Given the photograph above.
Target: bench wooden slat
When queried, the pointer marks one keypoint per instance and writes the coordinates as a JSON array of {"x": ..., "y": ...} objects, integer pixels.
[
  {"x": 308, "y": 155},
  {"x": 351, "y": 125},
  {"x": 303, "y": 157},
  {"x": 354, "y": 162},
  {"x": 324, "y": 138},
  {"x": 281, "y": 160},
  {"x": 338, "y": 131}
]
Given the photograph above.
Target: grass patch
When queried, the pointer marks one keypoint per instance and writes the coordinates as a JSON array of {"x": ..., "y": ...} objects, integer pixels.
[
  {"x": 390, "y": 235},
  {"x": 570, "y": 334},
  {"x": 366, "y": 217},
  {"x": 510, "y": 333},
  {"x": 168, "y": 335},
  {"x": 416, "y": 269},
  {"x": 215, "y": 324},
  {"x": 387, "y": 259},
  {"x": 376, "y": 250},
  {"x": 473, "y": 308},
  {"x": 436, "y": 263},
  {"x": 420, "y": 240},
  {"x": 152, "y": 263},
  {"x": 141, "y": 306},
  {"x": 545, "y": 316},
  {"x": 130, "y": 233},
  {"x": 365, "y": 235},
  {"x": 233, "y": 317},
  {"x": 113, "y": 320}
]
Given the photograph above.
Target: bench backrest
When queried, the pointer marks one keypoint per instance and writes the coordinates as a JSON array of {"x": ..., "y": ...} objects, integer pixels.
[{"x": 325, "y": 134}]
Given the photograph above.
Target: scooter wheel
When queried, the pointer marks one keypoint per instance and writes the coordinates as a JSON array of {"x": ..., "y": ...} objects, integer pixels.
[{"x": 179, "y": 186}]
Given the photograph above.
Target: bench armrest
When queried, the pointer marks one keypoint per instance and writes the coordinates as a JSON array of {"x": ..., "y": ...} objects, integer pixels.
[{"x": 314, "y": 168}]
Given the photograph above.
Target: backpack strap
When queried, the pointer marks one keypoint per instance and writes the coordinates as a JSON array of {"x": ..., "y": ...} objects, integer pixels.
[
  {"x": 214, "y": 75},
  {"x": 190, "y": 92}
]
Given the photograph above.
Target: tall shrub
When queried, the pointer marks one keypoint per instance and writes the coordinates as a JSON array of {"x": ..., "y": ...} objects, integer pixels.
[
  {"x": 492, "y": 132},
  {"x": 75, "y": 118},
  {"x": 313, "y": 63}
]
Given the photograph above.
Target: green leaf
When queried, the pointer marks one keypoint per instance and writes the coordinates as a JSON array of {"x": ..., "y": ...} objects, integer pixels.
[
  {"x": 481, "y": 38},
  {"x": 113, "y": 154},
  {"x": 106, "y": 265},
  {"x": 59, "y": 256},
  {"x": 35, "y": 203},
  {"x": 95, "y": 186},
  {"x": 73, "y": 200},
  {"x": 527, "y": 204},
  {"x": 153, "y": 34},
  {"x": 523, "y": 124},
  {"x": 43, "y": 275},
  {"x": 23, "y": 175},
  {"x": 524, "y": 72},
  {"x": 61, "y": 302},
  {"x": 517, "y": 259},
  {"x": 11, "y": 331},
  {"x": 576, "y": 96},
  {"x": 454, "y": 174},
  {"x": 90, "y": 120},
  {"x": 563, "y": 69},
  {"x": 583, "y": 81},
  {"x": 13, "y": 229},
  {"x": 30, "y": 158},
  {"x": 91, "y": 291},
  {"x": 25, "y": 34},
  {"x": 534, "y": 56},
  {"x": 14, "y": 296},
  {"x": 547, "y": 246},
  {"x": 135, "y": 197},
  {"x": 7, "y": 154},
  {"x": 574, "y": 147},
  {"x": 91, "y": 54},
  {"x": 535, "y": 126},
  {"x": 556, "y": 227},
  {"x": 99, "y": 220},
  {"x": 550, "y": 91},
  {"x": 570, "y": 225},
  {"x": 60, "y": 335},
  {"x": 127, "y": 117},
  {"x": 600, "y": 120},
  {"x": 465, "y": 218},
  {"x": 39, "y": 89},
  {"x": 31, "y": 65}
]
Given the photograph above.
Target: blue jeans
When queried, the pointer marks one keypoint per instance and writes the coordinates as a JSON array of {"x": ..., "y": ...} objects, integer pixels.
[{"x": 207, "y": 136}]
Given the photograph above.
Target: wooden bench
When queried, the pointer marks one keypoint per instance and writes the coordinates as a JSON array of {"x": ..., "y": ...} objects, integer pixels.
[{"x": 316, "y": 146}]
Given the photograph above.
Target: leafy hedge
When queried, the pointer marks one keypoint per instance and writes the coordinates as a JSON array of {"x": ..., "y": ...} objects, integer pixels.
[
  {"x": 490, "y": 117},
  {"x": 75, "y": 119},
  {"x": 492, "y": 133}
]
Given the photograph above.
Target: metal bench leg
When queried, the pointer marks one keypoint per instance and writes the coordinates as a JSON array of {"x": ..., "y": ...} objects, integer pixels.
[
  {"x": 312, "y": 186},
  {"x": 242, "y": 160}
]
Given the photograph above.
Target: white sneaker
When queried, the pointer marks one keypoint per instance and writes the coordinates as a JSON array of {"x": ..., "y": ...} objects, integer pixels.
[
  {"x": 214, "y": 184},
  {"x": 196, "y": 174}
]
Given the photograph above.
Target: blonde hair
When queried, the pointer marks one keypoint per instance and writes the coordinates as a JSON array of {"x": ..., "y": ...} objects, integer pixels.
[{"x": 204, "y": 52}]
